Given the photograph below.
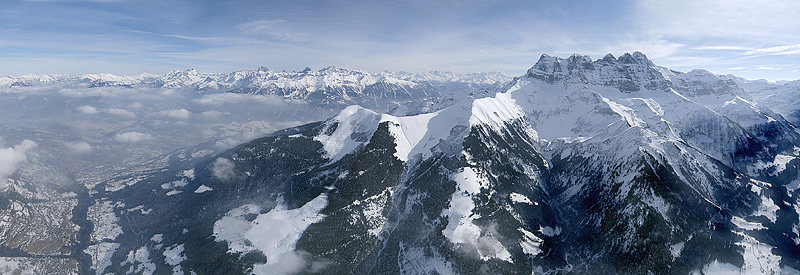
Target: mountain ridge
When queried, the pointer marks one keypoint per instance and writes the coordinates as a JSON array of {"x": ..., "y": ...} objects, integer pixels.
[{"x": 620, "y": 167}]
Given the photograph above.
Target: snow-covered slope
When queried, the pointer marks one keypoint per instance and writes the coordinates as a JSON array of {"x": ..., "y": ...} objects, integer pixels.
[{"x": 784, "y": 98}]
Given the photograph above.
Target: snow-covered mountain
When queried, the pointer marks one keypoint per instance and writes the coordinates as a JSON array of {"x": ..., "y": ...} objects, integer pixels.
[
  {"x": 330, "y": 85},
  {"x": 613, "y": 165},
  {"x": 782, "y": 98}
]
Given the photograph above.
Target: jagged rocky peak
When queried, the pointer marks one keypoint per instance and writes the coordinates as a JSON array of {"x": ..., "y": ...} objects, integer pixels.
[
  {"x": 635, "y": 58},
  {"x": 333, "y": 69},
  {"x": 608, "y": 58},
  {"x": 181, "y": 73},
  {"x": 552, "y": 64},
  {"x": 548, "y": 64},
  {"x": 629, "y": 72}
]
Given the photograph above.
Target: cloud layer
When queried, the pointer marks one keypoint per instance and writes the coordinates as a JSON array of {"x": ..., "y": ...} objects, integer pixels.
[{"x": 11, "y": 157}]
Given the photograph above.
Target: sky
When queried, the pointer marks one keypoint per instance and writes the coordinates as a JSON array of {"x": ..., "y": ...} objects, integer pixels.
[{"x": 753, "y": 39}]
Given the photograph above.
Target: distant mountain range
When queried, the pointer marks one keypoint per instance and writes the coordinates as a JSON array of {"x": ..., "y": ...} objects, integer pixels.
[
  {"x": 385, "y": 90},
  {"x": 330, "y": 85}
]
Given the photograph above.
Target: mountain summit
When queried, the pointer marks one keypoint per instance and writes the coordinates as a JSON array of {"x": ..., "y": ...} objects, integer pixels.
[{"x": 629, "y": 72}]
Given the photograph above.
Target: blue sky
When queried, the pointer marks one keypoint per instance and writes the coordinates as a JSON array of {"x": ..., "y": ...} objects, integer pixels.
[{"x": 754, "y": 39}]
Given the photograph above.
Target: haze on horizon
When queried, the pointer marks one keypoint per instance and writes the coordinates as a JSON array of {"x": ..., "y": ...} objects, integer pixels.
[{"x": 752, "y": 39}]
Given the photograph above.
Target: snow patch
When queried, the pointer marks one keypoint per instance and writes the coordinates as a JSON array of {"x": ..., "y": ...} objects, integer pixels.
[
  {"x": 105, "y": 221},
  {"x": 719, "y": 268},
  {"x": 101, "y": 255},
  {"x": 277, "y": 243},
  {"x": 531, "y": 244},
  {"x": 174, "y": 184},
  {"x": 743, "y": 224},
  {"x": 520, "y": 198},
  {"x": 758, "y": 257},
  {"x": 460, "y": 229},
  {"x": 203, "y": 189},
  {"x": 779, "y": 164},
  {"x": 189, "y": 174},
  {"x": 676, "y": 249},
  {"x": 417, "y": 260},
  {"x": 174, "y": 256},
  {"x": 767, "y": 208},
  {"x": 139, "y": 261}
]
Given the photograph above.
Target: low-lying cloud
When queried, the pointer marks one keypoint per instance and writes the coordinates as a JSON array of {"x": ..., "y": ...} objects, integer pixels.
[
  {"x": 132, "y": 137},
  {"x": 223, "y": 169},
  {"x": 176, "y": 113},
  {"x": 80, "y": 147},
  {"x": 11, "y": 157},
  {"x": 121, "y": 112},
  {"x": 86, "y": 109},
  {"x": 213, "y": 114},
  {"x": 227, "y": 98}
]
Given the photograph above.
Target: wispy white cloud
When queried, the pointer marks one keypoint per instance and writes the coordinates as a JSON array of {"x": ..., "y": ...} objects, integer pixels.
[
  {"x": 274, "y": 29},
  {"x": 778, "y": 50},
  {"x": 767, "y": 68},
  {"x": 723, "y": 48}
]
